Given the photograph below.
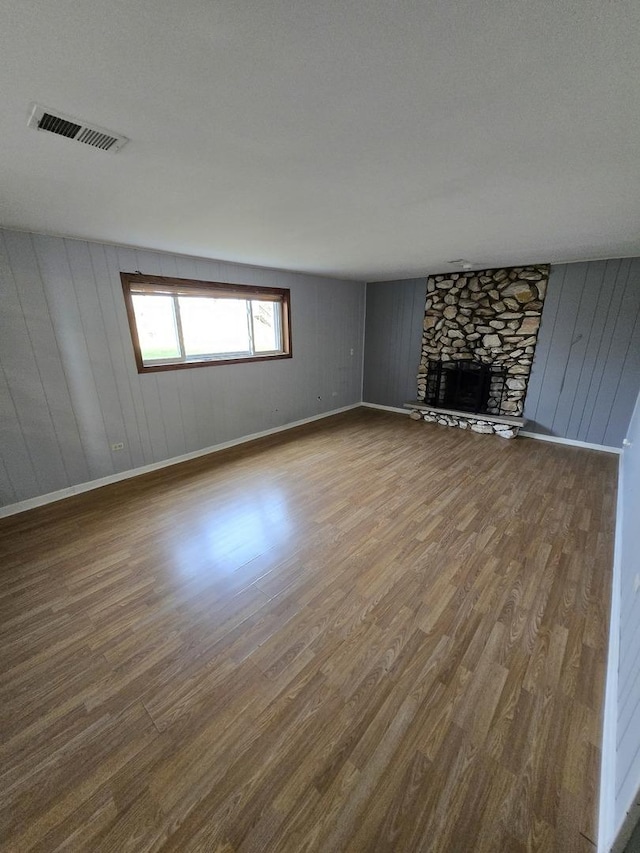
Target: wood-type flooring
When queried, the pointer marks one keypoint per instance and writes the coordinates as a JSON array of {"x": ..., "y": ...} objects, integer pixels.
[{"x": 366, "y": 634}]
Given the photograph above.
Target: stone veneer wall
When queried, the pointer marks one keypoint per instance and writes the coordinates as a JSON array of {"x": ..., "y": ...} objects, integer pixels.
[{"x": 490, "y": 317}]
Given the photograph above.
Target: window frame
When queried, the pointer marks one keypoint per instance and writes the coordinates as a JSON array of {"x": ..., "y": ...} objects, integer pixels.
[{"x": 167, "y": 284}]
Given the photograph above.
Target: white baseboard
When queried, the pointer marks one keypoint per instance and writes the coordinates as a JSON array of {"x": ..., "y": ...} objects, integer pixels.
[
  {"x": 51, "y": 497},
  {"x": 572, "y": 442},
  {"x": 539, "y": 437},
  {"x": 385, "y": 408},
  {"x": 41, "y": 500}
]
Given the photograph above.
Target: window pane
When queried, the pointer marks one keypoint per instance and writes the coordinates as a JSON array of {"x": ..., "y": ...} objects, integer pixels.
[
  {"x": 266, "y": 326},
  {"x": 156, "y": 325},
  {"x": 212, "y": 325}
]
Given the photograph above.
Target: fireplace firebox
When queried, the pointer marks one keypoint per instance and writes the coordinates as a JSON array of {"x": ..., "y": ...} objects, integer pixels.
[{"x": 465, "y": 386}]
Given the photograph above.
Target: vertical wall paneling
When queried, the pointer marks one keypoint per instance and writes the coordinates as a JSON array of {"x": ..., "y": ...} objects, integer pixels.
[
  {"x": 18, "y": 467},
  {"x": 628, "y": 728},
  {"x": 7, "y": 492},
  {"x": 587, "y": 354},
  {"x": 103, "y": 417},
  {"x": 73, "y": 406},
  {"x": 625, "y": 390},
  {"x": 394, "y": 317},
  {"x": 586, "y": 369},
  {"x": 614, "y": 283},
  {"x": 577, "y": 345},
  {"x": 623, "y": 359},
  {"x": 554, "y": 388},
  {"x": 69, "y": 387},
  {"x": 33, "y": 373},
  {"x": 599, "y": 278},
  {"x": 613, "y": 286},
  {"x": 135, "y": 431}
]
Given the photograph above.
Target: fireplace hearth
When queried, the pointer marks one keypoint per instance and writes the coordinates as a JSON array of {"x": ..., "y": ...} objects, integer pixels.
[{"x": 465, "y": 386}]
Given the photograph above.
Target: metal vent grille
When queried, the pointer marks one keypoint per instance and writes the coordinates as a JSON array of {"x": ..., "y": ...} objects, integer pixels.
[
  {"x": 61, "y": 126},
  {"x": 42, "y": 118},
  {"x": 96, "y": 138}
]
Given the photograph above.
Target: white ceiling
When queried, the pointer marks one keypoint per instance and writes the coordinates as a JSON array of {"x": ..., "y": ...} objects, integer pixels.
[{"x": 368, "y": 139}]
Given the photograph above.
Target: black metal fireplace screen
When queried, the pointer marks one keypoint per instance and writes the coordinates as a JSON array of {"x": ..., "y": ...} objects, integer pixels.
[{"x": 465, "y": 386}]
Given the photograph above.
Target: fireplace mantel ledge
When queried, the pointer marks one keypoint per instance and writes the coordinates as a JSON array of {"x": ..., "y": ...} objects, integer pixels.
[{"x": 492, "y": 419}]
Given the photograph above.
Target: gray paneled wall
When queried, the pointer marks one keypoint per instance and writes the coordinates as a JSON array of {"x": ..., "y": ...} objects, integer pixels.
[
  {"x": 68, "y": 381},
  {"x": 393, "y": 340},
  {"x": 586, "y": 371},
  {"x": 628, "y": 728}
]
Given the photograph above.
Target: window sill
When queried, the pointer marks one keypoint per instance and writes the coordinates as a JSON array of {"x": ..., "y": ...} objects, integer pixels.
[{"x": 210, "y": 362}]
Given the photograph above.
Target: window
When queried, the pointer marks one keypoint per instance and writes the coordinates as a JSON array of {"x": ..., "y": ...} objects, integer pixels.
[{"x": 178, "y": 323}]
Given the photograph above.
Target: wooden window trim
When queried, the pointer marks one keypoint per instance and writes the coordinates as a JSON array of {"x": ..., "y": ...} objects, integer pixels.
[{"x": 132, "y": 281}]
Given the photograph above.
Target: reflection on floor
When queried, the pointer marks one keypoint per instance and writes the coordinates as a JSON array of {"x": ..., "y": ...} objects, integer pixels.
[{"x": 367, "y": 634}]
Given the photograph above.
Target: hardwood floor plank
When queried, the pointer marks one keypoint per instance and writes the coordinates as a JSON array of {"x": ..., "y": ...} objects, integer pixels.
[{"x": 366, "y": 634}]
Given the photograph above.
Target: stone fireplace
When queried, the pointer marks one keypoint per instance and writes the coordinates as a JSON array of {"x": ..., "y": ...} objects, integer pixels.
[{"x": 479, "y": 336}]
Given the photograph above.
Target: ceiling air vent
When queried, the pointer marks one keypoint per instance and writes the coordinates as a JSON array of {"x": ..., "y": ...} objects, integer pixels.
[{"x": 55, "y": 122}]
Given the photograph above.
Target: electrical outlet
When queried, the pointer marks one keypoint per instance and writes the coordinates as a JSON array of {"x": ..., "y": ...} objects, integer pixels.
[
  {"x": 351, "y": 351},
  {"x": 119, "y": 445}
]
